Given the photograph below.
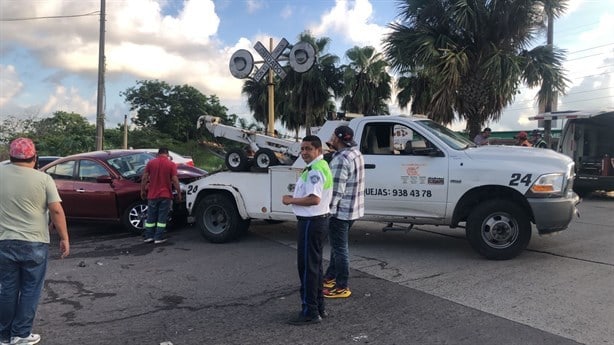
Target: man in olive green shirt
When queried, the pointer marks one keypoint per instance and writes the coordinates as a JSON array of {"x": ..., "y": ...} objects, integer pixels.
[{"x": 27, "y": 198}]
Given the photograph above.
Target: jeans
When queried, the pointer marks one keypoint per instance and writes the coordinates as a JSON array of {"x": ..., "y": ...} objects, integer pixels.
[
  {"x": 339, "y": 266},
  {"x": 22, "y": 274},
  {"x": 157, "y": 216}
]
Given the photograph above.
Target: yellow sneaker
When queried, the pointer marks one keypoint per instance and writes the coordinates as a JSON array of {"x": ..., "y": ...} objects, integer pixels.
[
  {"x": 337, "y": 293},
  {"x": 329, "y": 283}
]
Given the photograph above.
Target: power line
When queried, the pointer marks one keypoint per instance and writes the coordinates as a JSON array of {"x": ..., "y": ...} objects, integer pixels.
[
  {"x": 593, "y": 75},
  {"x": 567, "y": 94},
  {"x": 590, "y": 48},
  {"x": 584, "y": 57},
  {"x": 50, "y": 17},
  {"x": 566, "y": 102}
]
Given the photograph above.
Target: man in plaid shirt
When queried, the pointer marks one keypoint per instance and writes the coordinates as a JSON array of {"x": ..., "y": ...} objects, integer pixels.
[{"x": 347, "y": 205}]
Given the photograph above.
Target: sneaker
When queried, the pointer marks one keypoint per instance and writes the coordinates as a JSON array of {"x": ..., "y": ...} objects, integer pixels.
[
  {"x": 302, "y": 320},
  {"x": 29, "y": 340},
  {"x": 160, "y": 241},
  {"x": 337, "y": 293},
  {"x": 329, "y": 283},
  {"x": 148, "y": 240}
]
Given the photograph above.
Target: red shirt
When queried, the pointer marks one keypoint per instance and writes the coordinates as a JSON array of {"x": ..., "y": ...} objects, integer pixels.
[{"x": 161, "y": 171}]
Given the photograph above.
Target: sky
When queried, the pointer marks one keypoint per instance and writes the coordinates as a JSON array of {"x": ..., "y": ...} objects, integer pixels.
[{"x": 49, "y": 50}]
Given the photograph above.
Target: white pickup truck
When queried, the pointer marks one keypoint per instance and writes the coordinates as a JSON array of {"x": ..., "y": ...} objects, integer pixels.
[{"x": 417, "y": 172}]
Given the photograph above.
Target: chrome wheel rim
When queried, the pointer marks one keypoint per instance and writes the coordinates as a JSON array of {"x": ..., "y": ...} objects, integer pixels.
[{"x": 500, "y": 230}]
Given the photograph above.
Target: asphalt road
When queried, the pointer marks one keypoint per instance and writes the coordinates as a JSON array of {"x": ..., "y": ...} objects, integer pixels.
[{"x": 425, "y": 286}]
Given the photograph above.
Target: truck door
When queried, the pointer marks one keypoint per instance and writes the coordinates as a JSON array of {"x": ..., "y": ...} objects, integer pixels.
[{"x": 402, "y": 179}]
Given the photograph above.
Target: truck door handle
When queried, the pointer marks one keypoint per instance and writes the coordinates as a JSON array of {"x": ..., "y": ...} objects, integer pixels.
[
  {"x": 80, "y": 190},
  {"x": 369, "y": 166}
]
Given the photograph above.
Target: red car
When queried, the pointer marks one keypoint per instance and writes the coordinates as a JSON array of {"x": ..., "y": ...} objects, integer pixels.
[{"x": 106, "y": 186}]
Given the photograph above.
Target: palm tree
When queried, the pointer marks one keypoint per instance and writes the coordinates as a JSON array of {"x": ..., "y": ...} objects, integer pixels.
[
  {"x": 367, "y": 83},
  {"x": 472, "y": 56},
  {"x": 257, "y": 99},
  {"x": 306, "y": 97}
]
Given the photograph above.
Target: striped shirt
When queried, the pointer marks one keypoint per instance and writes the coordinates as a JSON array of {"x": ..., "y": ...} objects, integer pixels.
[{"x": 348, "y": 169}]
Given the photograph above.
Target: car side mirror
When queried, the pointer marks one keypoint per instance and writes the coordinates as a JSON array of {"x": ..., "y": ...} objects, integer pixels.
[{"x": 104, "y": 179}]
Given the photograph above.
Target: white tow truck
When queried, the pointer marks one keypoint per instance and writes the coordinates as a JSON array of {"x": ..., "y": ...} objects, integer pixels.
[{"x": 417, "y": 172}]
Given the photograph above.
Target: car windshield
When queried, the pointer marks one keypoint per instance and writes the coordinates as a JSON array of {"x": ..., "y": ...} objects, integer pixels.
[
  {"x": 131, "y": 165},
  {"x": 451, "y": 138}
]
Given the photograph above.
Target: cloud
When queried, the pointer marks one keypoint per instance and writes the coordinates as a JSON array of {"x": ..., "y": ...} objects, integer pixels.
[
  {"x": 140, "y": 41},
  {"x": 10, "y": 85},
  {"x": 353, "y": 21},
  {"x": 69, "y": 98},
  {"x": 254, "y": 5},
  {"x": 286, "y": 12}
]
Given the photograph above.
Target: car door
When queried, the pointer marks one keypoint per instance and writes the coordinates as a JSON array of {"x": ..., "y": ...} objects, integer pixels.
[
  {"x": 400, "y": 179},
  {"x": 96, "y": 199},
  {"x": 63, "y": 175}
]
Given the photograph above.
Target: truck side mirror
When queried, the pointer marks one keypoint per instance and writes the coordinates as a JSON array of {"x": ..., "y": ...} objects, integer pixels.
[{"x": 427, "y": 151}]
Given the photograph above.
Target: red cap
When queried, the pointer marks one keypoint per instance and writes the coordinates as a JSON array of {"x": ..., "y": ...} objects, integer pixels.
[{"x": 22, "y": 148}]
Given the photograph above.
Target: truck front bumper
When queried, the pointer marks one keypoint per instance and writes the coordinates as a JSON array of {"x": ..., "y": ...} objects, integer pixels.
[{"x": 552, "y": 215}]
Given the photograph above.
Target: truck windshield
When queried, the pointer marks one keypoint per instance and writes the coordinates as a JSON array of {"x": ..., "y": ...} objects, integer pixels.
[{"x": 451, "y": 138}]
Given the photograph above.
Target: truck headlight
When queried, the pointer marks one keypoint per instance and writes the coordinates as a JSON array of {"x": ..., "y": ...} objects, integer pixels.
[{"x": 548, "y": 185}]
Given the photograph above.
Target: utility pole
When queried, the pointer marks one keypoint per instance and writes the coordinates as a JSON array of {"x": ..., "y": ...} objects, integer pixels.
[
  {"x": 548, "y": 105},
  {"x": 101, "y": 70},
  {"x": 125, "y": 132}
]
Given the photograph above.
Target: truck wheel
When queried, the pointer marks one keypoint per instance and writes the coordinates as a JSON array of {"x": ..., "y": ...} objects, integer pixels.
[
  {"x": 265, "y": 158},
  {"x": 218, "y": 219},
  {"x": 134, "y": 218},
  {"x": 236, "y": 160},
  {"x": 498, "y": 229}
]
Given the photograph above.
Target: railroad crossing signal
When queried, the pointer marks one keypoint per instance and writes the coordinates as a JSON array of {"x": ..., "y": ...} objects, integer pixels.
[{"x": 301, "y": 59}]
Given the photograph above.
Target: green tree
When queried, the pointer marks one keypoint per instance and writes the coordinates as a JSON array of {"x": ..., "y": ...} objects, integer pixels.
[
  {"x": 307, "y": 97},
  {"x": 64, "y": 134},
  {"x": 172, "y": 110},
  {"x": 469, "y": 58},
  {"x": 12, "y": 127},
  {"x": 367, "y": 83}
]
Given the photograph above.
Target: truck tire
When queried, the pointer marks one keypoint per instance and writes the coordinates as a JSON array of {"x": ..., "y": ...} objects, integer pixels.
[
  {"x": 134, "y": 218},
  {"x": 236, "y": 160},
  {"x": 265, "y": 158},
  {"x": 218, "y": 219},
  {"x": 498, "y": 229}
]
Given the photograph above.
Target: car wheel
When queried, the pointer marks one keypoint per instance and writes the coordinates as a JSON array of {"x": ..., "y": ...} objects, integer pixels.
[
  {"x": 134, "y": 217},
  {"x": 218, "y": 219},
  {"x": 236, "y": 160},
  {"x": 498, "y": 229},
  {"x": 265, "y": 158}
]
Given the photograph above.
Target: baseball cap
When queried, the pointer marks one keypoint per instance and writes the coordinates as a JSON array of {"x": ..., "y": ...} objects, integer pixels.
[
  {"x": 346, "y": 135},
  {"x": 22, "y": 148}
]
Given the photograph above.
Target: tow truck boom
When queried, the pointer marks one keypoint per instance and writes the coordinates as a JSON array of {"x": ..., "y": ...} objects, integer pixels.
[{"x": 268, "y": 150}]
